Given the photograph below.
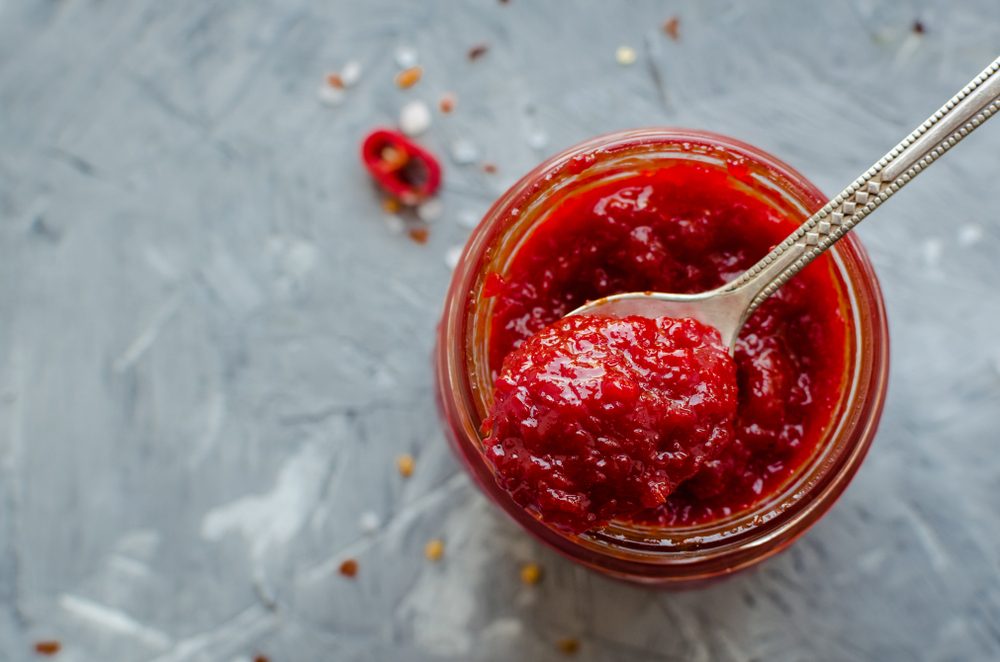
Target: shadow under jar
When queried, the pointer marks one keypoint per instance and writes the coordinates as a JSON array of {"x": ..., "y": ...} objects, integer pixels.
[{"x": 661, "y": 552}]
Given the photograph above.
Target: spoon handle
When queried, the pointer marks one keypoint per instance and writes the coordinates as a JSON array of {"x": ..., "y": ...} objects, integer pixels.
[{"x": 963, "y": 113}]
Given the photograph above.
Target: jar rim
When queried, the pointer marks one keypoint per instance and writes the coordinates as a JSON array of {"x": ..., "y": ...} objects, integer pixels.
[{"x": 701, "y": 550}]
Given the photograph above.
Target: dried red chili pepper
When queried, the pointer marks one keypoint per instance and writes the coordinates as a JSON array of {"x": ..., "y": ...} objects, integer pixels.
[{"x": 405, "y": 170}]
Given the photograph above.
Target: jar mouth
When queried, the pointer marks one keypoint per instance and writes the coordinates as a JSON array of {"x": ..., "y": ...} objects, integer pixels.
[{"x": 773, "y": 521}]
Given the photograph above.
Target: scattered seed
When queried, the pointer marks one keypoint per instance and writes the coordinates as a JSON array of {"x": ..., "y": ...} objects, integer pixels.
[
  {"x": 48, "y": 647},
  {"x": 531, "y": 573},
  {"x": 478, "y": 51},
  {"x": 329, "y": 95},
  {"x": 464, "y": 152},
  {"x": 407, "y": 78},
  {"x": 969, "y": 235},
  {"x": 405, "y": 462},
  {"x": 447, "y": 103},
  {"x": 406, "y": 57},
  {"x": 430, "y": 210},
  {"x": 349, "y": 568},
  {"x": 538, "y": 139},
  {"x": 414, "y": 118},
  {"x": 434, "y": 550},
  {"x": 673, "y": 28},
  {"x": 490, "y": 168},
  {"x": 467, "y": 218},
  {"x": 334, "y": 80},
  {"x": 420, "y": 236},
  {"x": 918, "y": 27},
  {"x": 369, "y": 522},
  {"x": 351, "y": 73},
  {"x": 394, "y": 223},
  {"x": 625, "y": 55},
  {"x": 568, "y": 646},
  {"x": 452, "y": 257}
]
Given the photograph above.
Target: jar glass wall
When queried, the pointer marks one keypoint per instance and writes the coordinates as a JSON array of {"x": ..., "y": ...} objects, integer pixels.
[{"x": 650, "y": 554}]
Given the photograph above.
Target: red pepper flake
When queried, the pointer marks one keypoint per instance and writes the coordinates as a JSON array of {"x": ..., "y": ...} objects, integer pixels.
[
  {"x": 493, "y": 285},
  {"x": 391, "y": 206},
  {"x": 335, "y": 81},
  {"x": 262, "y": 658},
  {"x": 48, "y": 647},
  {"x": 489, "y": 168},
  {"x": 918, "y": 27},
  {"x": 349, "y": 568},
  {"x": 406, "y": 171},
  {"x": 478, "y": 51},
  {"x": 409, "y": 77},
  {"x": 673, "y": 28},
  {"x": 419, "y": 235},
  {"x": 447, "y": 103}
]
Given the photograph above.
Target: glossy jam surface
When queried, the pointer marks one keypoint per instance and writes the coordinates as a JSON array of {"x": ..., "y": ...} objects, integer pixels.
[
  {"x": 598, "y": 418},
  {"x": 688, "y": 228}
]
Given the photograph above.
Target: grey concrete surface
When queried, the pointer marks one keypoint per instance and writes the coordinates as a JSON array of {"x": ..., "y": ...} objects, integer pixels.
[{"x": 213, "y": 346}]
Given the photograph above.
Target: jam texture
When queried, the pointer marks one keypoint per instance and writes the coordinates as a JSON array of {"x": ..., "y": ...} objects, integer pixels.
[
  {"x": 687, "y": 227},
  {"x": 598, "y": 418}
]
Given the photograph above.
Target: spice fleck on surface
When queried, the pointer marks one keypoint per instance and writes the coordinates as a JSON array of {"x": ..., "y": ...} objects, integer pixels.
[
  {"x": 407, "y": 78},
  {"x": 568, "y": 646},
  {"x": 434, "y": 550},
  {"x": 531, "y": 573},
  {"x": 349, "y": 568},
  {"x": 420, "y": 236},
  {"x": 48, "y": 647},
  {"x": 673, "y": 28},
  {"x": 478, "y": 51},
  {"x": 489, "y": 168},
  {"x": 447, "y": 103},
  {"x": 405, "y": 462}
]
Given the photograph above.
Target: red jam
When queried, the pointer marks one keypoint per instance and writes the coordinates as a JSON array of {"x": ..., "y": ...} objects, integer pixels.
[
  {"x": 597, "y": 418},
  {"x": 688, "y": 227}
]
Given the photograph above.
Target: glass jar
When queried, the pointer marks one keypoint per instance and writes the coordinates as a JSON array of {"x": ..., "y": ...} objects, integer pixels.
[{"x": 665, "y": 556}]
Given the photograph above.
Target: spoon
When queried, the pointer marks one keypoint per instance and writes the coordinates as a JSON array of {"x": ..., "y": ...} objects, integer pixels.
[{"x": 727, "y": 307}]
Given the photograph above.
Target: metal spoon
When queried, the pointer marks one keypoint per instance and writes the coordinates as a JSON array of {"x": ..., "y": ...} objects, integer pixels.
[{"x": 726, "y": 308}]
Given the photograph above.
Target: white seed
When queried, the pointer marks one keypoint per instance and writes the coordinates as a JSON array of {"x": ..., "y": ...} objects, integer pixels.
[
  {"x": 406, "y": 57},
  {"x": 538, "y": 139},
  {"x": 415, "y": 118},
  {"x": 452, "y": 257},
  {"x": 369, "y": 522},
  {"x": 468, "y": 218},
  {"x": 330, "y": 95},
  {"x": 394, "y": 223},
  {"x": 969, "y": 235},
  {"x": 351, "y": 73},
  {"x": 464, "y": 152},
  {"x": 430, "y": 210},
  {"x": 625, "y": 55},
  {"x": 932, "y": 249}
]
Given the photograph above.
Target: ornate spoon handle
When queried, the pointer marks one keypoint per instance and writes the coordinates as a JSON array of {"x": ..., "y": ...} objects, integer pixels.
[{"x": 966, "y": 111}]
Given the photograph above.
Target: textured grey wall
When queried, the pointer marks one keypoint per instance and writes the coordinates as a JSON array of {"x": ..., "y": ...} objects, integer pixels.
[{"x": 212, "y": 346}]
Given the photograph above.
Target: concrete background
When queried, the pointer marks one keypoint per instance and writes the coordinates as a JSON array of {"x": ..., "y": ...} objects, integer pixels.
[{"x": 213, "y": 345}]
